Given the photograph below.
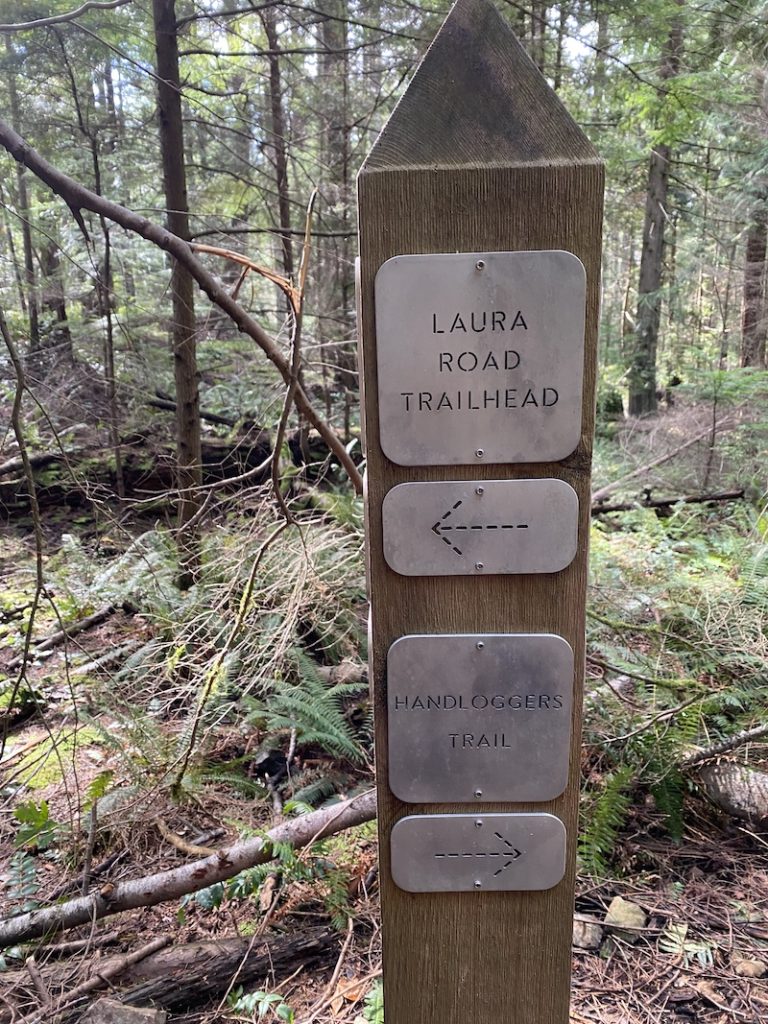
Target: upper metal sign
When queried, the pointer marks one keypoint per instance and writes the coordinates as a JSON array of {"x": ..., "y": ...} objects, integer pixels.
[
  {"x": 480, "y": 357},
  {"x": 480, "y": 527}
]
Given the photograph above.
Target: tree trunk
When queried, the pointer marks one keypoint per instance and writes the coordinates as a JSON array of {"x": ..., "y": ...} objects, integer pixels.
[
  {"x": 642, "y": 370},
  {"x": 182, "y": 286},
  {"x": 58, "y": 338},
  {"x": 278, "y": 143},
  {"x": 336, "y": 327},
  {"x": 23, "y": 197},
  {"x": 753, "y": 318}
]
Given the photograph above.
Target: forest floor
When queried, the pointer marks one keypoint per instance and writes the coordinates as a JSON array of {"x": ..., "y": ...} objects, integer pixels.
[{"x": 81, "y": 735}]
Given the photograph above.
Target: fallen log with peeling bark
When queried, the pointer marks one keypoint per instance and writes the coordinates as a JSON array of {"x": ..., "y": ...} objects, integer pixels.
[{"x": 176, "y": 882}]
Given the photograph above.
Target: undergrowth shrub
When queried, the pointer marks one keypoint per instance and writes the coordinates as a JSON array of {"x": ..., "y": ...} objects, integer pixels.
[{"x": 677, "y": 615}]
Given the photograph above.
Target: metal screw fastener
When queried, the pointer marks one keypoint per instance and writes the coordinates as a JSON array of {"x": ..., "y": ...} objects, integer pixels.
[
  {"x": 480, "y": 265},
  {"x": 479, "y": 645},
  {"x": 479, "y": 490},
  {"x": 478, "y": 884},
  {"x": 479, "y": 566},
  {"x": 478, "y": 824},
  {"x": 478, "y": 793},
  {"x": 479, "y": 453}
]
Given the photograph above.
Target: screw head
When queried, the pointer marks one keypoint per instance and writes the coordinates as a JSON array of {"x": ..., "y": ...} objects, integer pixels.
[
  {"x": 479, "y": 566},
  {"x": 478, "y": 793},
  {"x": 479, "y": 490},
  {"x": 480, "y": 265},
  {"x": 478, "y": 884},
  {"x": 478, "y": 824},
  {"x": 479, "y": 453},
  {"x": 479, "y": 645}
]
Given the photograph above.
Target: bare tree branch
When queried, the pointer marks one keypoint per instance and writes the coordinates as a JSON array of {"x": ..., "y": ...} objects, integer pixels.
[
  {"x": 199, "y": 874},
  {"x": 58, "y": 19},
  {"x": 79, "y": 198}
]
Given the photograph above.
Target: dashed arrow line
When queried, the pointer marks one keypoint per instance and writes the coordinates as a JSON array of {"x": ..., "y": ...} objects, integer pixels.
[
  {"x": 441, "y": 528},
  {"x": 513, "y": 853}
]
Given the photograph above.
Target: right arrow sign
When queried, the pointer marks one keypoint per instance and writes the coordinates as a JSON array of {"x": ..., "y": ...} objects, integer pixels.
[{"x": 478, "y": 852}]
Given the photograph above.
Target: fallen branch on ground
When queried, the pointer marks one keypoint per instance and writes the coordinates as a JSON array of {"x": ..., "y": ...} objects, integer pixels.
[
  {"x": 603, "y": 492},
  {"x": 67, "y": 633},
  {"x": 599, "y": 508},
  {"x": 177, "y": 882}
]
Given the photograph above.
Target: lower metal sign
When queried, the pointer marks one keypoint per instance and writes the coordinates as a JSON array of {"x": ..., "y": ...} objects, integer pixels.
[
  {"x": 478, "y": 853},
  {"x": 476, "y": 527},
  {"x": 479, "y": 716}
]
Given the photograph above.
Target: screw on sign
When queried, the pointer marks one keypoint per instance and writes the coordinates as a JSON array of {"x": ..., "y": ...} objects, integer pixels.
[{"x": 480, "y": 211}]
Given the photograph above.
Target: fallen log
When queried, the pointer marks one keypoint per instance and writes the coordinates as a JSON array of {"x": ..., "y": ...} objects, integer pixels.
[
  {"x": 186, "y": 976},
  {"x": 167, "y": 404},
  {"x": 599, "y": 508},
  {"x": 727, "y": 424},
  {"x": 191, "y": 877},
  {"x": 737, "y": 789}
]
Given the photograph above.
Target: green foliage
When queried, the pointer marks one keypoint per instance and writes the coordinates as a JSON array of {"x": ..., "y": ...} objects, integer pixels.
[
  {"x": 675, "y": 942},
  {"x": 680, "y": 606},
  {"x": 373, "y": 1007},
  {"x": 37, "y": 827},
  {"x": 260, "y": 1005},
  {"x": 604, "y": 820},
  {"x": 315, "y": 709},
  {"x": 22, "y": 883}
]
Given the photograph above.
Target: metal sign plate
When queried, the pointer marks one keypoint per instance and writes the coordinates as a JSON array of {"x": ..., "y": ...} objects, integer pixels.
[
  {"x": 476, "y": 527},
  {"x": 480, "y": 356},
  {"x": 478, "y": 852},
  {"x": 479, "y": 717}
]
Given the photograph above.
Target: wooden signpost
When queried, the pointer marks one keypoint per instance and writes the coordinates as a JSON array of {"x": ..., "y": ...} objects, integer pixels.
[{"x": 480, "y": 212}]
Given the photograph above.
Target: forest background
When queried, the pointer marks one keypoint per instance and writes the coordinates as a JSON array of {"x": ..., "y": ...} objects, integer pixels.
[{"x": 183, "y": 617}]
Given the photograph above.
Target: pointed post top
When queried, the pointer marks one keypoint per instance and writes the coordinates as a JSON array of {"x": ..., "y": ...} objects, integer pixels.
[{"x": 477, "y": 100}]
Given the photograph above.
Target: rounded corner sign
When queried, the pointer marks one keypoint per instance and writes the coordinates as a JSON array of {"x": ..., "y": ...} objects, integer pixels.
[{"x": 480, "y": 357}]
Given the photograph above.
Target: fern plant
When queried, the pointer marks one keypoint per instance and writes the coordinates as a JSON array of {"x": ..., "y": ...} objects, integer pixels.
[
  {"x": 604, "y": 820},
  {"x": 314, "y": 708}
]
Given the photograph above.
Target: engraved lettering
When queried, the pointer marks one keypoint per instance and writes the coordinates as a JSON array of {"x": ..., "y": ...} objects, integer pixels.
[
  {"x": 530, "y": 398},
  {"x": 519, "y": 321},
  {"x": 444, "y": 402},
  {"x": 458, "y": 324},
  {"x": 511, "y": 359},
  {"x": 481, "y": 328},
  {"x": 425, "y": 400},
  {"x": 446, "y": 358},
  {"x": 435, "y": 328},
  {"x": 554, "y": 398},
  {"x": 497, "y": 320},
  {"x": 407, "y": 395},
  {"x": 490, "y": 361},
  {"x": 400, "y": 702}
]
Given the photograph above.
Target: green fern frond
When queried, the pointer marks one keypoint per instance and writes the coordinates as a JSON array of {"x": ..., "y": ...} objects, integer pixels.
[{"x": 604, "y": 822}]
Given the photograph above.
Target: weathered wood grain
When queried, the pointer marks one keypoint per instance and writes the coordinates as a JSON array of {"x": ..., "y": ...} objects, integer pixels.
[{"x": 479, "y": 156}]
